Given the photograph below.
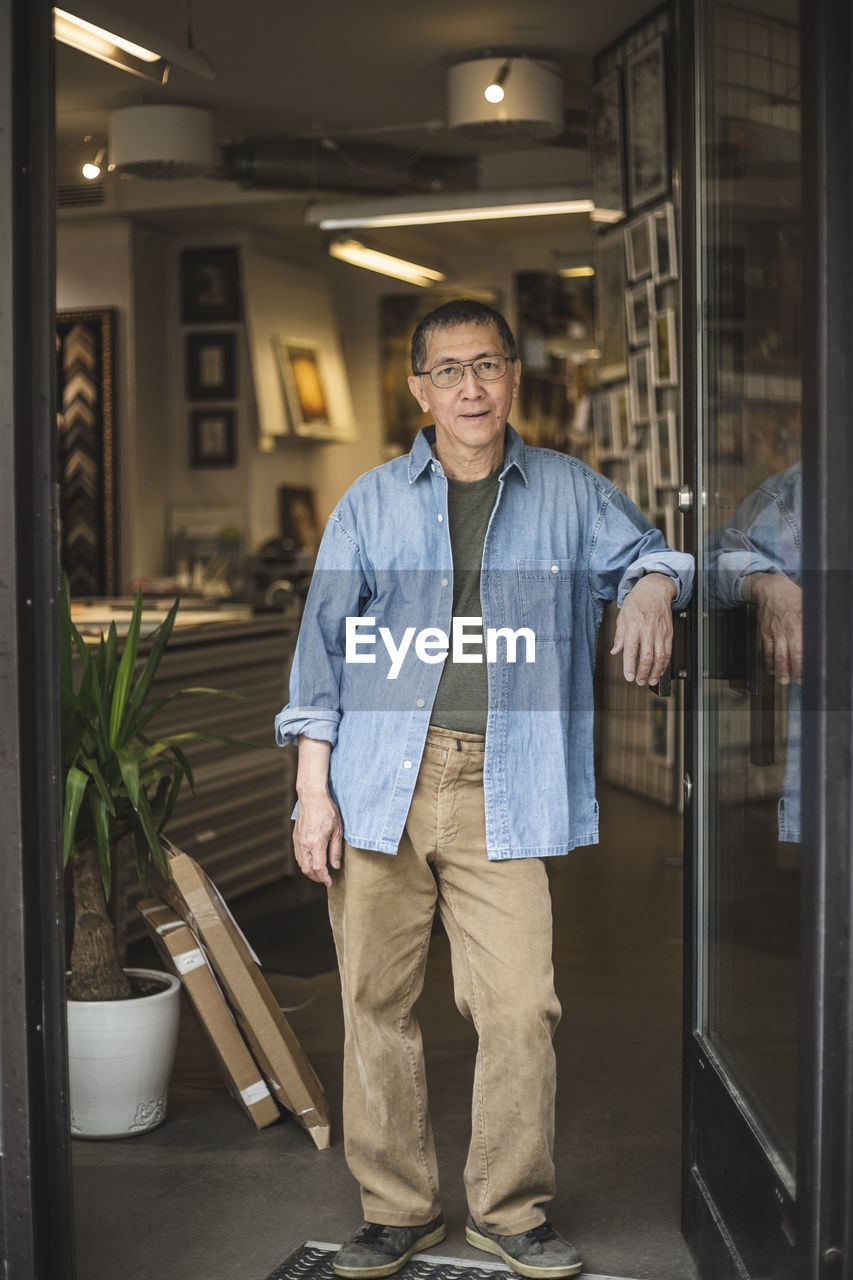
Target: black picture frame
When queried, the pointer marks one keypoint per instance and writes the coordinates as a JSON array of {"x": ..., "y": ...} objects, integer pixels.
[
  {"x": 647, "y": 124},
  {"x": 211, "y": 365},
  {"x": 213, "y": 437},
  {"x": 210, "y": 285},
  {"x": 607, "y": 144}
]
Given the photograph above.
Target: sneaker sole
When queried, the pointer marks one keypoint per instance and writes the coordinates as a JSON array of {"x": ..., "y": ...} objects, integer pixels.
[
  {"x": 389, "y": 1268},
  {"x": 521, "y": 1268}
]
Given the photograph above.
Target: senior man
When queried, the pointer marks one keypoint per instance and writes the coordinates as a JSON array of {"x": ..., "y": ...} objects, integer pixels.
[{"x": 441, "y": 696}]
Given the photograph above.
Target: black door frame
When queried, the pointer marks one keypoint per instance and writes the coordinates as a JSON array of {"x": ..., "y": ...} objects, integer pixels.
[
  {"x": 823, "y": 1214},
  {"x": 36, "y": 1238},
  {"x": 826, "y": 1066}
]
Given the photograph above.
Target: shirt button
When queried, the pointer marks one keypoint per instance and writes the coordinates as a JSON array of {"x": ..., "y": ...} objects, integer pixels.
[
  {"x": 432, "y": 466},
  {"x": 444, "y": 582},
  {"x": 440, "y": 518},
  {"x": 421, "y": 702},
  {"x": 554, "y": 568},
  {"x": 407, "y": 764}
]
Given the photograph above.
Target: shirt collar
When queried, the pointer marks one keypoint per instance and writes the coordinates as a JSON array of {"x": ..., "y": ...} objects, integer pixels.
[{"x": 421, "y": 454}]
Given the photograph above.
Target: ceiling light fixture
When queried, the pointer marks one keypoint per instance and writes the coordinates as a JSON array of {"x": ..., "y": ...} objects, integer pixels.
[
  {"x": 359, "y": 255},
  {"x": 426, "y": 210},
  {"x": 574, "y": 273},
  {"x": 89, "y": 31},
  {"x": 494, "y": 92}
]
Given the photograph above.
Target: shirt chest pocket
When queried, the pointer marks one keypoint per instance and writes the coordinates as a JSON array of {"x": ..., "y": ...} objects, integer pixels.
[{"x": 545, "y": 589}]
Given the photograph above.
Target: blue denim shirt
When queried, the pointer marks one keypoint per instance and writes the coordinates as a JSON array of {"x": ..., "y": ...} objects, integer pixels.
[
  {"x": 562, "y": 541},
  {"x": 764, "y": 535}
]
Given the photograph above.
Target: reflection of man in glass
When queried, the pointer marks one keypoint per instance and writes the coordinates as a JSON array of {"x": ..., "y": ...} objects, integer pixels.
[{"x": 757, "y": 557}]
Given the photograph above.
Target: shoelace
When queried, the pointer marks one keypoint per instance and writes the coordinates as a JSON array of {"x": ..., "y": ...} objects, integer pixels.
[
  {"x": 543, "y": 1233},
  {"x": 372, "y": 1231}
]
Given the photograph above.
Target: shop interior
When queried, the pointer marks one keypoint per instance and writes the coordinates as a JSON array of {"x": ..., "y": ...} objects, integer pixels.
[{"x": 238, "y": 376}]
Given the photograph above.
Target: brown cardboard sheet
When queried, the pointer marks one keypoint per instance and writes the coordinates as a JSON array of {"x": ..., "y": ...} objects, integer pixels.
[
  {"x": 180, "y": 949},
  {"x": 289, "y": 1073}
]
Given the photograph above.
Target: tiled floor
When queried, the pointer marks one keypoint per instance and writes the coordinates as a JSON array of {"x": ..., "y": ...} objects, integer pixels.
[{"x": 205, "y": 1197}]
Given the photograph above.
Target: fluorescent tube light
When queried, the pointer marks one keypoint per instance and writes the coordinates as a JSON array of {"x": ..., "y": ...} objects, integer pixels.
[
  {"x": 359, "y": 255},
  {"x": 427, "y": 210},
  {"x": 91, "y": 34},
  {"x": 572, "y": 273}
]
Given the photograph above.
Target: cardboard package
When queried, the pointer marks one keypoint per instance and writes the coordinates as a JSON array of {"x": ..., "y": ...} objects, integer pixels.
[
  {"x": 180, "y": 949},
  {"x": 295, "y": 1086}
]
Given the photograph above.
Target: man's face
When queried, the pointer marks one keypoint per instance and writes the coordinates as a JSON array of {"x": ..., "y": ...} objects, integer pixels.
[{"x": 471, "y": 416}]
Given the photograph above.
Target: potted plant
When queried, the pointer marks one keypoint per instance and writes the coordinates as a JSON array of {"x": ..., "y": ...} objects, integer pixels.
[{"x": 121, "y": 783}]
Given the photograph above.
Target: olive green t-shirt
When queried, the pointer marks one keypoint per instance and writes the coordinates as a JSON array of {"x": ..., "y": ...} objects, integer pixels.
[{"x": 462, "y": 699}]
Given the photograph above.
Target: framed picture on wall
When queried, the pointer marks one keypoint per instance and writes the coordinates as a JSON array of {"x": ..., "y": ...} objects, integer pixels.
[
  {"x": 640, "y": 383},
  {"x": 210, "y": 285},
  {"x": 304, "y": 389},
  {"x": 664, "y": 251},
  {"x": 646, "y": 129},
  {"x": 211, "y": 367},
  {"x": 213, "y": 438},
  {"x": 665, "y": 520},
  {"x": 664, "y": 350},
  {"x": 639, "y": 310},
  {"x": 664, "y": 445},
  {"x": 607, "y": 144},
  {"x": 638, "y": 249}
]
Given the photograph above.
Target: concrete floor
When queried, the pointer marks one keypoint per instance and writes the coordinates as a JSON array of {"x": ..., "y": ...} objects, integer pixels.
[{"x": 205, "y": 1197}]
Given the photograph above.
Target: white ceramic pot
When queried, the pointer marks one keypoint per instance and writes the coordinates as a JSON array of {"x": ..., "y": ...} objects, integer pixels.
[{"x": 120, "y": 1057}]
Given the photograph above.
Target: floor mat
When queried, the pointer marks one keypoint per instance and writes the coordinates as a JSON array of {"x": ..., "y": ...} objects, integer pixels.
[{"x": 313, "y": 1261}]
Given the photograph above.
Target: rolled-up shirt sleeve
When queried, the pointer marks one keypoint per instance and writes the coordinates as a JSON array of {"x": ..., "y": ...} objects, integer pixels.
[
  {"x": 338, "y": 590},
  {"x": 626, "y": 547}
]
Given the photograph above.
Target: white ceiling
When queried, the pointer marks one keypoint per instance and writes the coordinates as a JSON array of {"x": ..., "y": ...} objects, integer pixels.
[{"x": 371, "y": 70}]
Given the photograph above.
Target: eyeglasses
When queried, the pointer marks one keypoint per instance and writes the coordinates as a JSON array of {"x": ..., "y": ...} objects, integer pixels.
[{"x": 486, "y": 368}]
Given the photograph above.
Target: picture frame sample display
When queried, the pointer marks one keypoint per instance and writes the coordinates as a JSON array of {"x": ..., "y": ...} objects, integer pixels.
[
  {"x": 211, "y": 366},
  {"x": 664, "y": 246},
  {"x": 664, "y": 448},
  {"x": 304, "y": 389},
  {"x": 607, "y": 143},
  {"x": 602, "y": 417},
  {"x": 86, "y": 449},
  {"x": 664, "y": 349},
  {"x": 638, "y": 249},
  {"x": 647, "y": 132},
  {"x": 640, "y": 480},
  {"x": 640, "y": 382},
  {"x": 639, "y": 311},
  {"x": 210, "y": 285},
  {"x": 620, "y": 417},
  {"x": 213, "y": 438},
  {"x": 610, "y": 333}
]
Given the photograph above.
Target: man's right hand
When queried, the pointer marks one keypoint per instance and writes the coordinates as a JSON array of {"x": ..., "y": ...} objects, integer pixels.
[{"x": 318, "y": 833}]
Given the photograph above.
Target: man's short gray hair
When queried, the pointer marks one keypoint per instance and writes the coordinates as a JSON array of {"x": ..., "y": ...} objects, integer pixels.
[{"x": 456, "y": 312}]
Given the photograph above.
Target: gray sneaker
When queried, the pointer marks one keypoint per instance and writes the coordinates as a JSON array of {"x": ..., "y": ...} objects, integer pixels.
[
  {"x": 375, "y": 1250},
  {"x": 540, "y": 1252}
]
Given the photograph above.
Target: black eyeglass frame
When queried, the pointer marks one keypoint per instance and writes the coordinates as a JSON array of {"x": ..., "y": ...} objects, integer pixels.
[{"x": 466, "y": 364}]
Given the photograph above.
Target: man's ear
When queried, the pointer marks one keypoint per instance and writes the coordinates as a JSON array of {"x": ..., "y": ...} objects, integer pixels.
[{"x": 416, "y": 388}]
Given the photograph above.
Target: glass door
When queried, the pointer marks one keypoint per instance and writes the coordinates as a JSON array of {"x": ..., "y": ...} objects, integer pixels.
[{"x": 741, "y": 1044}]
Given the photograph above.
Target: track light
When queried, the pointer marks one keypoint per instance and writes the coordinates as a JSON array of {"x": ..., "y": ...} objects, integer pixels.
[
  {"x": 494, "y": 92},
  {"x": 359, "y": 255},
  {"x": 92, "y": 168}
]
